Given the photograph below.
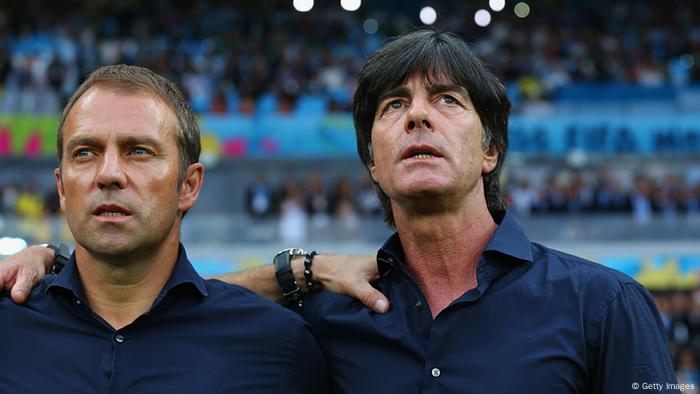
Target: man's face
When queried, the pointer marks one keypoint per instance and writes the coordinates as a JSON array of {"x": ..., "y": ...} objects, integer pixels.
[
  {"x": 427, "y": 143},
  {"x": 118, "y": 182}
]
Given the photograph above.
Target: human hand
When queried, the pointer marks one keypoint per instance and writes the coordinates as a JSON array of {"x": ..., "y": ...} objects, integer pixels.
[
  {"x": 20, "y": 272},
  {"x": 351, "y": 276}
]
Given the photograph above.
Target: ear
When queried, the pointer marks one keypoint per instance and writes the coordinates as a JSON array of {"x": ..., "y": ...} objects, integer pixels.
[
  {"x": 59, "y": 187},
  {"x": 372, "y": 169},
  {"x": 371, "y": 165},
  {"x": 490, "y": 159},
  {"x": 191, "y": 185}
]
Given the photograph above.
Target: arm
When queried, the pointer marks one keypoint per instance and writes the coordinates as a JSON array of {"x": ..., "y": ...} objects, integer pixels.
[
  {"x": 343, "y": 274},
  {"x": 308, "y": 369},
  {"x": 23, "y": 270},
  {"x": 349, "y": 275},
  {"x": 632, "y": 347}
]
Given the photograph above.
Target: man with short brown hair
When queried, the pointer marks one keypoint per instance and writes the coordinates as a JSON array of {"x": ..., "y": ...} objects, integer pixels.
[{"x": 128, "y": 313}]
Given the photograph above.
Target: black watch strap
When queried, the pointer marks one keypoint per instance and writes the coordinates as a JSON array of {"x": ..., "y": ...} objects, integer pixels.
[
  {"x": 285, "y": 276},
  {"x": 60, "y": 258}
]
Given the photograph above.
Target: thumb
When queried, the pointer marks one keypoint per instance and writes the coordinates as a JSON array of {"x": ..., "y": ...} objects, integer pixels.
[{"x": 372, "y": 298}]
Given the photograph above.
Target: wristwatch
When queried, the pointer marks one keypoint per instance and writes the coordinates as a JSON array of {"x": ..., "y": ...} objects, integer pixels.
[
  {"x": 285, "y": 276},
  {"x": 61, "y": 255}
]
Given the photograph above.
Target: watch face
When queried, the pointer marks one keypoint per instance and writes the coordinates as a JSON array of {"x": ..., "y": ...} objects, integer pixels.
[
  {"x": 291, "y": 252},
  {"x": 287, "y": 254}
]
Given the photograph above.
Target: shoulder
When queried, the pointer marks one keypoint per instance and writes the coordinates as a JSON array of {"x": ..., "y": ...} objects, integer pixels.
[
  {"x": 39, "y": 303},
  {"x": 254, "y": 307},
  {"x": 597, "y": 286},
  {"x": 585, "y": 273}
]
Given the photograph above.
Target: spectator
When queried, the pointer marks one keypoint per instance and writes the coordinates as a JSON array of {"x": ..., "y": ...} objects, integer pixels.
[
  {"x": 608, "y": 195},
  {"x": 642, "y": 200},
  {"x": 30, "y": 204},
  {"x": 259, "y": 198},
  {"x": 687, "y": 369},
  {"x": 293, "y": 220},
  {"x": 343, "y": 207},
  {"x": 316, "y": 202},
  {"x": 523, "y": 198}
]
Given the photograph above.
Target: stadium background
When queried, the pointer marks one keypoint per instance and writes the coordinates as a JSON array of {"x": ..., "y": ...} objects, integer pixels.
[{"x": 605, "y": 128}]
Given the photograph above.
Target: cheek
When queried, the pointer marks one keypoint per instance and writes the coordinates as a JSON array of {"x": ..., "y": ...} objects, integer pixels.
[
  {"x": 74, "y": 185},
  {"x": 381, "y": 163},
  {"x": 164, "y": 189}
]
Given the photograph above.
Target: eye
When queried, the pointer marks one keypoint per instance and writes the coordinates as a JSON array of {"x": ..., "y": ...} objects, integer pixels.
[
  {"x": 447, "y": 99},
  {"x": 82, "y": 153},
  {"x": 140, "y": 151},
  {"x": 394, "y": 105}
]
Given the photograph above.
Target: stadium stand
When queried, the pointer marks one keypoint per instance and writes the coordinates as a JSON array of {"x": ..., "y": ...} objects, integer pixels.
[{"x": 605, "y": 142}]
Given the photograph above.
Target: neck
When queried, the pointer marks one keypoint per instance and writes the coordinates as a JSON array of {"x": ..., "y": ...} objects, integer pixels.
[
  {"x": 443, "y": 249},
  {"x": 121, "y": 288}
]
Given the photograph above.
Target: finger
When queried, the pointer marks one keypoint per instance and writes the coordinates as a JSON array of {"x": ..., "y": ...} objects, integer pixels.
[
  {"x": 7, "y": 278},
  {"x": 372, "y": 298},
  {"x": 26, "y": 279},
  {"x": 19, "y": 294},
  {"x": 3, "y": 285}
]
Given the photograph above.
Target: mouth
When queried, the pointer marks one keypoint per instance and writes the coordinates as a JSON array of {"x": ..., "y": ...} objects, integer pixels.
[
  {"x": 420, "y": 152},
  {"x": 111, "y": 211}
]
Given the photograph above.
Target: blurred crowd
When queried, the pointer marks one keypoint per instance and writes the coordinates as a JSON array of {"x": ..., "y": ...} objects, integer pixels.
[
  {"x": 606, "y": 191},
  {"x": 303, "y": 205},
  {"x": 28, "y": 201},
  {"x": 253, "y": 57},
  {"x": 317, "y": 198},
  {"x": 680, "y": 315}
]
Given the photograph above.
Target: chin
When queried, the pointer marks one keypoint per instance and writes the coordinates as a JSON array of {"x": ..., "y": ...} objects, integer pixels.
[
  {"x": 425, "y": 186},
  {"x": 111, "y": 247}
]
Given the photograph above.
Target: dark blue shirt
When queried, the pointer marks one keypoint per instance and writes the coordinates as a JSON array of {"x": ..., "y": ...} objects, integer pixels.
[
  {"x": 200, "y": 336},
  {"x": 539, "y": 321}
]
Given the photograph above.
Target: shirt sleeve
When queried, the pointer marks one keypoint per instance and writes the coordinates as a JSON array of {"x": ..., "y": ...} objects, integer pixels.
[
  {"x": 308, "y": 371},
  {"x": 632, "y": 354}
]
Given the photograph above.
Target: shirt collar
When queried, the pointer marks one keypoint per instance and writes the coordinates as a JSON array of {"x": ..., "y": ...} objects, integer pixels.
[
  {"x": 183, "y": 273},
  {"x": 508, "y": 239},
  {"x": 68, "y": 278}
]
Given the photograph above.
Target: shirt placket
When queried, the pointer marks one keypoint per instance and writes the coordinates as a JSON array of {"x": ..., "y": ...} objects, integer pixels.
[{"x": 435, "y": 368}]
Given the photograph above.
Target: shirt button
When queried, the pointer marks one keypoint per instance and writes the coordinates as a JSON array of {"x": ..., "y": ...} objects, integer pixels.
[
  {"x": 78, "y": 302},
  {"x": 435, "y": 372},
  {"x": 419, "y": 305},
  {"x": 119, "y": 338}
]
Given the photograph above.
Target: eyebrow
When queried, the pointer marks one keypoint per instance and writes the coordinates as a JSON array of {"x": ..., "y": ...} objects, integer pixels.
[
  {"x": 446, "y": 87},
  {"x": 139, "y": 140},
  {"x": 433, "y": 88},
  {"x": 84, "y": 140},
  {"x": 399, "y": 91},
  {"x": 88, "y": 140}
]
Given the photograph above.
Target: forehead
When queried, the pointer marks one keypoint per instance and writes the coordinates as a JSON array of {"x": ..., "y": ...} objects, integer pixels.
[
  {"x": 101, "y": 111},
  {"x": 427, "y": 79}
]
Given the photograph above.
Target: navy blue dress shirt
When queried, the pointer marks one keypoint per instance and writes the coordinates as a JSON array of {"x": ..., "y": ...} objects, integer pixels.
[
  {"x": 200, "y": 336},
  {"x": 538, "y": 321}
]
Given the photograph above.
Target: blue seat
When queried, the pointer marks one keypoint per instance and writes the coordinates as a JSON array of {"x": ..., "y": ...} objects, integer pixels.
[{"x": 311, "y": 105}]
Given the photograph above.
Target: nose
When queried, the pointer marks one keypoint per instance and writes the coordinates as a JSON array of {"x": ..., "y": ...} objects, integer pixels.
[
  {"x": 417, "y": 116},
  {"x": 110, "y": 173}
]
